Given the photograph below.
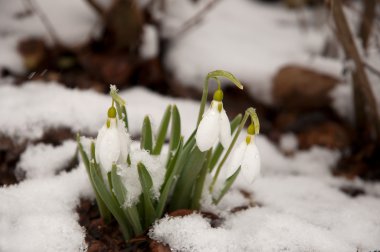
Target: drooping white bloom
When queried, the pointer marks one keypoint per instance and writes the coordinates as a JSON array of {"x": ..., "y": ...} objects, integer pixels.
[
  {"x": 214, "y": 126},
  {"x": 112, "y": 144},
  {"x": 247, "y": 156}
]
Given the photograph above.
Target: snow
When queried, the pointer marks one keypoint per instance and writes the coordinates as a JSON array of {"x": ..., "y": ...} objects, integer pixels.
[
  {"x": 74, "y": 22},
  {"x": 149, "y": 47},
  {"x": 251, "y": 39},
  {"x": 36, "y": 164},
  {"x": 301, "y": 209},
  {"x": 53, "y": 106},
  {"x": 300, "y": 206},
  {"x": 130, "y": 177},
  {"x": 39, "y": 214},
  {"x": 288, "y": 143}
]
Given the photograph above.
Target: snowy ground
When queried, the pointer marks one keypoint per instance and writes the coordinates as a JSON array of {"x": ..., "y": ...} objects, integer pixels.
[{"x": 301, "y": 205}]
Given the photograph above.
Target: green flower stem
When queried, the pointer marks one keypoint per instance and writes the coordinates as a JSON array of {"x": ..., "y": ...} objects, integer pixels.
[
  {"x": 214, "y": 75},
  {"x": 249, "y": 112}
]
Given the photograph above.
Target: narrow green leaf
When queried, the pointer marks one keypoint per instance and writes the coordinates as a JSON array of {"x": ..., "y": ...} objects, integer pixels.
[
  {"x": 169, "y": 177},
  {"x": 104, "y": 212},
  {"x": 219, "y": 148},
  {"x": 115, "y": 96},
  {"x": 190, "y": 171},
  {"x": 162, "y": 131},
  {"x": 198, "y": 188},
  {"x": 147, "y": 184},
  {"x": 109, "y": 201},
  {"x": 121, "y": 194},
  {"x": 124, "y": 111},
  {"x": 227, "y": 185},
  {"x": 178, "y": 166},
  {"x": 175, "y": 129},
  {"x": 83, "y": 155},
  {"x": 146, "y": 135}
]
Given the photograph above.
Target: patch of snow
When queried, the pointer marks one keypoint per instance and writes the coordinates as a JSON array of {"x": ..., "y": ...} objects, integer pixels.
[
  {"x": 130, "y": 176},
  {"x": 39, "y": 214},
  {"x": 73, "y": 21},
  {"x": 288, "y": 142},
  {"x": 253, "y": 40},
  {"x": 50, "y": 105},
  {"x": 35, "y": 162},
  {"x": 149, "y": 47}
]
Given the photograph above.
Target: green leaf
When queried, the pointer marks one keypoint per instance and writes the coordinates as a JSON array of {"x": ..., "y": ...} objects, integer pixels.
[
  {"x": 225, "y": 74},
  {"x": 83, "y": 155},
  {"x": 198, "y": 189},
  {"x": 175, "y": 129},
  {"x": 146, "y": 135},
  {"x": 124, "y": 111},
  {"x": 162, "y": 131},
  {"x": 104, "y": 213},
  {"x": 169, "y": 177},
  {"x": 192, "y": 167},
  {"x": 116, "y": 97},
  {"x": 109, "y": 201},
  {"x": 147, "y": 184},
  {"x": 227, "y": 185},
  {"x": 121, "y": 194},
  {"x": 219, "y": 148}
]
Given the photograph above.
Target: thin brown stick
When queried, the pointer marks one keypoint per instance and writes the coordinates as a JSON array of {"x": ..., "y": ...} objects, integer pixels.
[
  {"x": 193, "y": 21},
  {"x": 96, "y": 7},
  {"x": 368, "y": 17},
  {"x": 45, "y": 21},
  {"x": 359, "y": 75}
]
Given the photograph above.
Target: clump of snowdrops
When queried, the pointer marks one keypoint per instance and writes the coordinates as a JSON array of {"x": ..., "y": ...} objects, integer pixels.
[{"x": 136, "y": 186}]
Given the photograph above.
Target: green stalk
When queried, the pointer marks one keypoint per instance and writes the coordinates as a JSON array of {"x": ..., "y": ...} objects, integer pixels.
[
  {"x": 249, "y": 112},
  {"x": 214, "y": 75}
]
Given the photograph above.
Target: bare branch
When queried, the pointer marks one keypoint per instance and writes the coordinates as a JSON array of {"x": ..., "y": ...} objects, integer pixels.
[
  {"x": 361, "y": 81},
  {"x": 45, "y": 21}
]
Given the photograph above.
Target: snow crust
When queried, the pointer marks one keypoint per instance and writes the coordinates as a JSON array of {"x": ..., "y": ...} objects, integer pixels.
[
  {"x": 39, "y": 214},
  {"x": 301, "y": 209},
  {"x": 74, "y": 22},
  {"x": 251, "y": 39},
  {"x": 50, "y": 105},
  {"x": 36, "y": 164},
  {"x": 130, "y": 176}
]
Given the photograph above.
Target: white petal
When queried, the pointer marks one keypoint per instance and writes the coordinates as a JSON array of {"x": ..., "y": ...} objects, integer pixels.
[
  {"x": 99, "y": 139},
  {"x": 125, "y": 142},
  {"x": 225, "y": 129},
  {"x": 250, "y": 167},
  {"x": 108, "y": 147},
  {"x": 236, "y": 159},
  {"x": 207, "y": 133}
]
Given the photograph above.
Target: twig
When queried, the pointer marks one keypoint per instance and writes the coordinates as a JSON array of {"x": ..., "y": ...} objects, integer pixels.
[
  {"x": 45, "y": 21},
  {"x": 368, "y": 17},
  {"x": 193, "y": 21},
  {"x": 96, "y": 7},
  {"x": 372, "y": 69},
  {"x": 361, "y": 81}
]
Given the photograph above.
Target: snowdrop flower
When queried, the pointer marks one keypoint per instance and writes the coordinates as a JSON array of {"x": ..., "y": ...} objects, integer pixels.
[
  {"x": 112, "y": 143},
  {"x": 247, "y": 156},
  {"x": 214, "y": 125}
]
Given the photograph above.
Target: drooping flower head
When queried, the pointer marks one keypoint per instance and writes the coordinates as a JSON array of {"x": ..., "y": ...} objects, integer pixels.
[
  {"x": 214, "y": 125},
  {"x": 113, "y": 141},
  {"x": 246, "y": 156}
]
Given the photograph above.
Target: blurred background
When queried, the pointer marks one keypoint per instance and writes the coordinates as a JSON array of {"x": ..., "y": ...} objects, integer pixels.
[{"x": 311, "y": 68}]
